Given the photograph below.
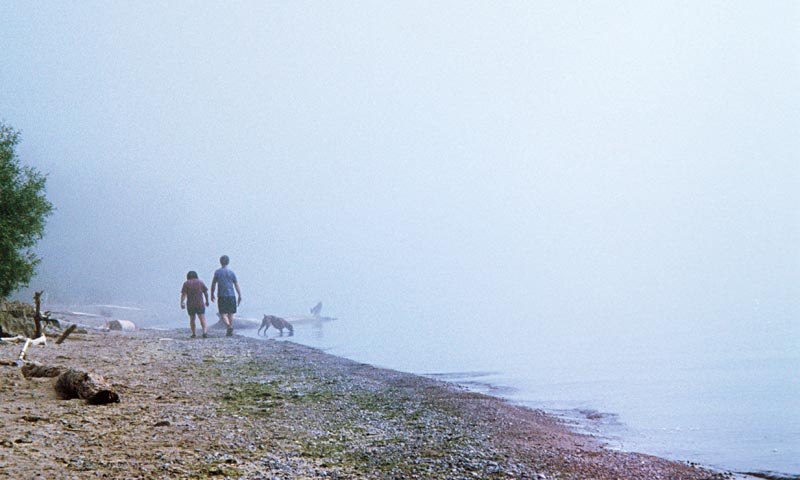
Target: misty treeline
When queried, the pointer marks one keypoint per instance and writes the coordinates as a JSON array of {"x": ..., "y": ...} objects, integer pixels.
[{"x": 24, "y": 209}]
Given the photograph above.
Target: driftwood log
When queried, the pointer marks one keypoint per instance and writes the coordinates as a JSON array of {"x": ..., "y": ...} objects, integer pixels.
[
  {"x": 35, "y": 370},
  {"x": 89, "y": 386},
  {"x": 71, "y": 383},
  {"x": 66, "y": 333},
  {"x": 37, "y": 316},
  {"x": 123, "y": 325}
]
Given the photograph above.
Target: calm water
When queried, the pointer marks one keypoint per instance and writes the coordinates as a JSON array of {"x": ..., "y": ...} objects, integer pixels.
[{"x": 734, "y": 406}]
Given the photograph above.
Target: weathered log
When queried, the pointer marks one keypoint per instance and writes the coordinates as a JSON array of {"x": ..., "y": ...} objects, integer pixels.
[
  {"x": 37, "y": 315},
  {"x": 89, "y": 386},
  {"x": 66, "y": 333},
  {"x": 35, "y": 370},
  {"x": 74, "y": 383}
]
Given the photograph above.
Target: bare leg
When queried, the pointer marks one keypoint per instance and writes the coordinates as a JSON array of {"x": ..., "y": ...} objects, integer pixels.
[
  {"x": 191, "y": 323},
  {"x": 229, "y": 322},
  {"x": 202, "y": 322}
]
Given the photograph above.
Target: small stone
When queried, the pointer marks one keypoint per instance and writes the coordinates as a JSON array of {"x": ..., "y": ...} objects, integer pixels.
[{"x": 163, "y": 423}]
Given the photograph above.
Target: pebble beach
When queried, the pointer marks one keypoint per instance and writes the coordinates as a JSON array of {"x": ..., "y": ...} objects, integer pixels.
[{"x": 243, "y": 408}]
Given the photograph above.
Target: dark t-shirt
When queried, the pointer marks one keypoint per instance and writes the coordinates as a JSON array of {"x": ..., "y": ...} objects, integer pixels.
[{"x": 194, "y": 289}]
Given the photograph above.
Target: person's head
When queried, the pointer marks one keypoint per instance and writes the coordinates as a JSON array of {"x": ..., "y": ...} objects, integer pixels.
[
  {"x": 224, "y": 260},
  {"x": 192, "y": 274}
]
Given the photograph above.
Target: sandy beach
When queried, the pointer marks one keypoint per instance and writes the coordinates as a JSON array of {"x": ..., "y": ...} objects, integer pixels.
[{"x": 242, "y": 408}]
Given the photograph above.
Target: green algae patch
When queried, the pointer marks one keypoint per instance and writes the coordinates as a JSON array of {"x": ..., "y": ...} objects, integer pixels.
[
  {"x": 364, "y": 431},
  {"x": 219, "y": 470},
  {"x": 253, "y": 398}
]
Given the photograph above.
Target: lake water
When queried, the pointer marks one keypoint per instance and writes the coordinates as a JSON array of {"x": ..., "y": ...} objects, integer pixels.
[{"x": 734, "y": 405}]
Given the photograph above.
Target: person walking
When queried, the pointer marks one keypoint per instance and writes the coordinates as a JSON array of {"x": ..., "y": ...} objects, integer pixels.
[
  {"x": 228, "y": 293},
  {"x": 193, "y": 293}
]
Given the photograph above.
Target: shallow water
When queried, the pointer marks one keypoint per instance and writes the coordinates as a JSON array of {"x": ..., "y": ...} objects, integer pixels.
[{"x": 734, "y": 408}]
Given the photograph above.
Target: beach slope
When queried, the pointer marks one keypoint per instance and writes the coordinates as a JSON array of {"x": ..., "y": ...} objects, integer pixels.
[{"x": 245, "y": 408}]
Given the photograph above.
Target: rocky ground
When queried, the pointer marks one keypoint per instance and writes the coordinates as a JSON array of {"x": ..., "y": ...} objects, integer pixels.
[{"x": 242, "y": 408}]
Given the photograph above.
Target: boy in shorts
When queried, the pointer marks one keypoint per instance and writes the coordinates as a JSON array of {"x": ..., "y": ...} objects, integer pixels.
[
  {"x": 228, "y": 292},
  {"x": 192, "y": 295}
]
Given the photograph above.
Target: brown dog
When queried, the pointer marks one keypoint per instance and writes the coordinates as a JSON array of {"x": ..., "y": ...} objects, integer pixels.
[{"x": 276, "y": 322}]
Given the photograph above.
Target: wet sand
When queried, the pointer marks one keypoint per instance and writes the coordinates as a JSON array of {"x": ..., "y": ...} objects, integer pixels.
[{"x": 243, "y": 408}]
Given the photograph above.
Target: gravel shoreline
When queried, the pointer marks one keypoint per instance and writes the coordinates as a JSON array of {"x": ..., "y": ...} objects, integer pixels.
[{"x": 243, "y": 408}]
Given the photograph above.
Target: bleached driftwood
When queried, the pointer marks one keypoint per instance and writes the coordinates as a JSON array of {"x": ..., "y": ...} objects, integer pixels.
[
  {"x": 21, "y": 338},
  {"x": 21, "y": 357},
  {"x": 73, "y": 383},
  {"x": 28, "y": 342},
  {"x": 15, "y": 339},
  {"x": 124, "y": 325}
]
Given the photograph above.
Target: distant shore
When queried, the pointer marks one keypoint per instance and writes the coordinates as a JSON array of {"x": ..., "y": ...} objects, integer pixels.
[{"x": 246, "y": 408}]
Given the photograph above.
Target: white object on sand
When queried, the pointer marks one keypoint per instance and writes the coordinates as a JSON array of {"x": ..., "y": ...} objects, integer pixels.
[{"x": 124, "y": 325}]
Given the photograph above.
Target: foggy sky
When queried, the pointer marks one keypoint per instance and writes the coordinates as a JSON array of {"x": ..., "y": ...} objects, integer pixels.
[{"x": 593, "y": 165}]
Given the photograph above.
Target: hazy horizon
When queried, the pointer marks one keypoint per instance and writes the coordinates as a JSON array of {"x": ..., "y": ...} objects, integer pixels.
[
  {"x": 608, "y": 167},
  {"x": 597, "y": 201}
]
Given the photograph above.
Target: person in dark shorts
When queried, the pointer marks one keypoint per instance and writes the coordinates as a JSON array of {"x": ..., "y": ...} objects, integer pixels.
[
  {"x": 228, "y": 292},
  {"x": 193, "y": 293}
]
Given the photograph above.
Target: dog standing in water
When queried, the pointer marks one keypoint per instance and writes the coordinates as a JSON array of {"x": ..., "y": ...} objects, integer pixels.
[{"x": 276, "y": 322}]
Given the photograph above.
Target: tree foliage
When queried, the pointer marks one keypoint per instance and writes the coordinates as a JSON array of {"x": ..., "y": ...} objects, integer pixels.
[{"x": 23, "y": 211}]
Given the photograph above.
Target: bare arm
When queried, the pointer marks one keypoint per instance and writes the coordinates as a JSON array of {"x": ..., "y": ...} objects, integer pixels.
[
  {"x": 183, "y": 300},
  {"x": 213, "y": 286},
  {"x": 205, "y": 294},
  {"x": 238, "y": 292}
]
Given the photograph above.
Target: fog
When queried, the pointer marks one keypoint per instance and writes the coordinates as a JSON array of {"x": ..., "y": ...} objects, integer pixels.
[{"x": 520, "y": 170}]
